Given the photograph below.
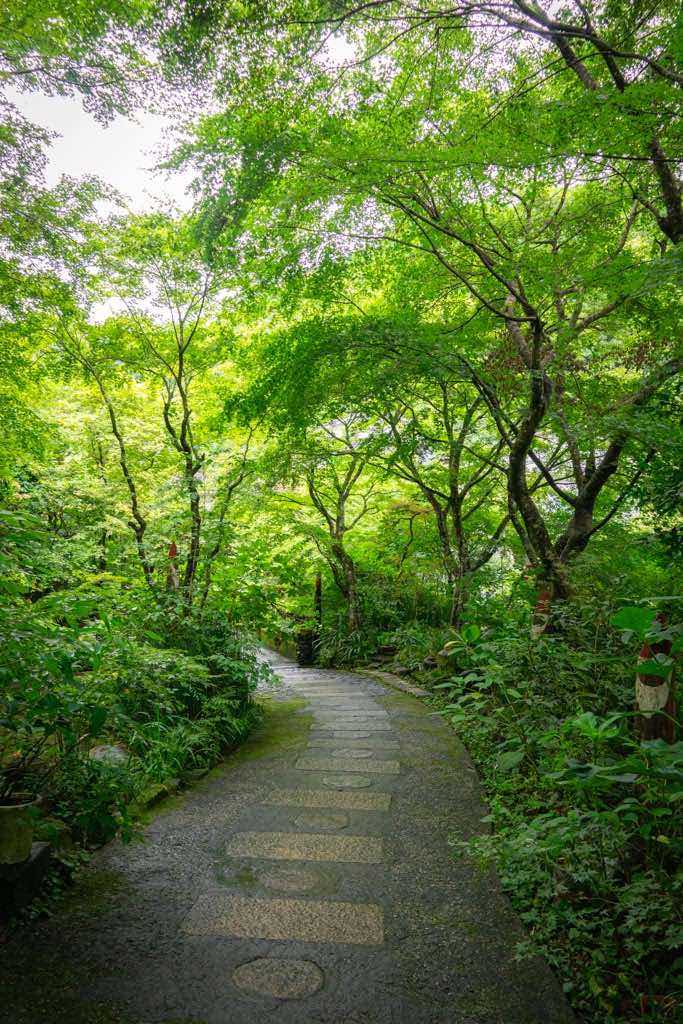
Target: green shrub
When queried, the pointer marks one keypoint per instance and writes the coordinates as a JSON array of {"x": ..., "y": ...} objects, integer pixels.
[
  {"x": 93, "y": 798},
  {"x": 77, "y": 667},
  {"x": 584, "y": 833}
]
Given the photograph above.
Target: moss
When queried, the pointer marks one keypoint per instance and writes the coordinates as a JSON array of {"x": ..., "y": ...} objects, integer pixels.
[
  {"x": 281, "y": 728},
  {"x": 170, "y": 803},
  {"x": 245, "y": 878},
  {"x": 37, "y": 990},
  {"x": 93, "y": 893}
]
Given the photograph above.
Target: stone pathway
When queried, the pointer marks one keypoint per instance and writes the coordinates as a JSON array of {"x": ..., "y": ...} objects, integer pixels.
[{"x": 309, "y": 879}]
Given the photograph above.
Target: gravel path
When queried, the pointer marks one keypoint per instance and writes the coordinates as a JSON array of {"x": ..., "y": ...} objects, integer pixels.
[{"x": 308, "y": 879}]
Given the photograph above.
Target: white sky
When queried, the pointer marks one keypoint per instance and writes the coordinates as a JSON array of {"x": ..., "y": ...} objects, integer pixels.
[{"x": 122, "y": 153}]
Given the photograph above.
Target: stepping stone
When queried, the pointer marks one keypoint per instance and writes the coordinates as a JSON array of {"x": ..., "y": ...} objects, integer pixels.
[
  {"x": 220, "y": 913},
  {"x": 346, "y": 781},
  {"x": 357, "y": 699},
  {"x": 355, "y": 716},
  {"x": 364, "y": 742},
  {"x": 306, "y": 846},
  {"x": 347, "y": 698},
  {"x": 349, "y": 752},
  {"x": 354, "y": 726},
  {"x": 350, "y": 711},
  {"x": 281, "y": 979},
  {"x": 344, "y": 736},
  {"x": 322, "y": 798},
  {"x": 328, "y": 822},
  {"x": 284, "y": 878},
  {"x": 329, "y": 707},
  {"x": 327, "y": 695},
  {"x": 339, "y": 764},
  {"x": 326, "y": 692},
  {"x": 359, "y": 720}
]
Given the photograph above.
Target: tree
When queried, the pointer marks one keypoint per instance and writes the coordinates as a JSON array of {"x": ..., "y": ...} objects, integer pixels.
[
  {"x": 96, "y": 52},
  {"x": 552, "y": 258},
  {"x": 167, "y": 335},
  {"x": 331, "y": 460}
]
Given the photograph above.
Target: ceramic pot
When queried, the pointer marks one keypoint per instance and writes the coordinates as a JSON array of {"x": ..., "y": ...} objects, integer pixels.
[{"x": 16, "y": 829}]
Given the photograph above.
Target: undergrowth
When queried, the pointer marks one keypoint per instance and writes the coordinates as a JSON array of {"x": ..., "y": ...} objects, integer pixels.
[{"x": 584, "y": 830}]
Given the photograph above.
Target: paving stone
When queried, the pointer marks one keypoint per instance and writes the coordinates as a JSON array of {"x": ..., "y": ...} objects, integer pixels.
[
  {"x": 306, "y": 846},
  {"x": 365, "y": 742},
  {"x": 278, "y": 978},
  {"x": 328, "y": 703},
  {"x": 351, "y": 735},
  {"x": 359, "y": 722},
  {"x": 326, "y": 691},
  {"x": 322, "y": 712},
  {"x": 350, "y": 752},
  {"x": 323, "y": 798},
  {"x": 329, "y": 822},
  {"x": 342, "y": 781},
  {"x": 339, "y": 764},
  {"x": 344, "y": 725},
  {"x": 220, "y": 913},
  {"x": 284, "y": 878},
  {"x": 325, "y": 707},
  {"x": 348, "y": 700}
]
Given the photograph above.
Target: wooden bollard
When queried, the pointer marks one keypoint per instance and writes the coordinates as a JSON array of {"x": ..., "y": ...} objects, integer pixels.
[{"x": 655, "y": 697}]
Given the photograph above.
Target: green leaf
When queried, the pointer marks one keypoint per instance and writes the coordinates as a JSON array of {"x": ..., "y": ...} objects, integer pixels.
[
  {"x": 510, "y": 759},
  {"x": 651, "y": 667},
  {"x": 638, "y": 620},
  {"x": 98, "y": 716},
  {"x": 470, "y": 633}
]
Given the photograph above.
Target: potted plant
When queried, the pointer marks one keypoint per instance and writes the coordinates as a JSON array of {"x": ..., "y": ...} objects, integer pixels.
[
  {"x": 17, "y": 806},
  {"x": 17, "y": 815},
  {"x": 45, "y": 717},
  {"x": 35, "y": 731}
]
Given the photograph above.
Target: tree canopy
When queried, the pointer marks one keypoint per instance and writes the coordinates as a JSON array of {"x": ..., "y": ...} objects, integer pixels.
[{"x": 401, "y": 386}]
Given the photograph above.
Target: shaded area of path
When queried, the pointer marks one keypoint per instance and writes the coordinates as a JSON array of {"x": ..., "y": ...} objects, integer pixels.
[{"x": 309, "y": 879}]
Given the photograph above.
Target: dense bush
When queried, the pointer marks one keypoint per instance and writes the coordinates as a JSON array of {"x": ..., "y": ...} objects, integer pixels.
[
  {"x": 84, "y": 666},
  {"x": 582, "y": 815}
]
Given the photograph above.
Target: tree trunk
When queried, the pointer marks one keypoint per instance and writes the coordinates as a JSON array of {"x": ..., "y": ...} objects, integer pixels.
[
  {"x": 346, "y": 579},
  {"x": 318, "y": 601},
  {"x": 352, "y": 598},
  {"x": 540, "y": 617},
  {"x": 102, "y": 559},
  {"x": 172, "y": 578},
  {"x": 195, "y": 532},
  {"x": 458, "y": 601},
  {"x": 137, "y": 523},
  {"x": 317, "y": 614}
]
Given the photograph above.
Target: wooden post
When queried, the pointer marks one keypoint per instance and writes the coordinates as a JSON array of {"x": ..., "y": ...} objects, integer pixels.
[
  {"x": 540, "y": 617},
  {"x": 655, "y": 698}
]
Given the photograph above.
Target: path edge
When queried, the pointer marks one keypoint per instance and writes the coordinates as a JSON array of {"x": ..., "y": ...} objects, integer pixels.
[{"x": 391, "y": 680}]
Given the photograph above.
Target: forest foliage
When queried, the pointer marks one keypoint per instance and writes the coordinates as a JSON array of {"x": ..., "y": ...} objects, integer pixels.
[{"x": 405, "y": 380}]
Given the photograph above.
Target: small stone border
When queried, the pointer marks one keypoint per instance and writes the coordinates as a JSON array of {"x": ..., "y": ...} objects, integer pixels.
[{"x": 391, "y": 680}]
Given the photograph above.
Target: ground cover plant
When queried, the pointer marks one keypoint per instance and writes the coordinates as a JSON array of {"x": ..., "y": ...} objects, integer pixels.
[
  {"x": 582, "y": 814},
  {"x": 400, "y": 385}
]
